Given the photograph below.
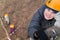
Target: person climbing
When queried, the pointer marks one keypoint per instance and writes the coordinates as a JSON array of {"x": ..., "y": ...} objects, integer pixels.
[
  {"x": 6, "y": 18},
  {"x": 44, "y": 19},
  {"x": 12, "y": 29}
]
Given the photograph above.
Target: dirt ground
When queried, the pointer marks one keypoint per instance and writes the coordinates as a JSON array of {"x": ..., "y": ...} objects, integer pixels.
[{"x": 20, "y": 13}]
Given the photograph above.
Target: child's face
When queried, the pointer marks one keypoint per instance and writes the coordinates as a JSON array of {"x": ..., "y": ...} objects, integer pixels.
[{"x": 48, "y": 14}]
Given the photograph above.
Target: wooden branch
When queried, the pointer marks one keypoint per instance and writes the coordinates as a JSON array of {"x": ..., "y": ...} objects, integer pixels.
[{"x": 5, "y": 29}]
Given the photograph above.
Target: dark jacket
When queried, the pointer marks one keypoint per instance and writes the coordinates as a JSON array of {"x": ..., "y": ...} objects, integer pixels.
[{"x": 39, "y": 23}]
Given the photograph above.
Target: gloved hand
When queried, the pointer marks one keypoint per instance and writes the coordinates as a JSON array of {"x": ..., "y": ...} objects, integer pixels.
[
  {"x": 53, "y": 32},
  {"x": 47, "y": 34},
  {"x": 41, "y": 35}
]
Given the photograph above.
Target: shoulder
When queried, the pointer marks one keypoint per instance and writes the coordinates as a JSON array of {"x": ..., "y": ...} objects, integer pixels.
[{"x": 41, "y": 10}]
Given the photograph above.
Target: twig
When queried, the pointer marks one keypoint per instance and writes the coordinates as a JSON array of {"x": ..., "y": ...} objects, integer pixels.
[
  {"x": 4, "y": 29},
  {"x": 17, "y": 28}
]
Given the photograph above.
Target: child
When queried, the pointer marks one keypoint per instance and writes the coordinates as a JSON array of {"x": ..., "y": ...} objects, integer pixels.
[
  {"x": 44, "y": 19},
  {"x": 6, "y": 17},
  {"x": 12, "y": 29}
]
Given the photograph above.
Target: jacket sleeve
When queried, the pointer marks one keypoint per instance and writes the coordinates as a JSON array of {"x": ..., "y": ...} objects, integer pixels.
[{"x": 35, "y": 24}]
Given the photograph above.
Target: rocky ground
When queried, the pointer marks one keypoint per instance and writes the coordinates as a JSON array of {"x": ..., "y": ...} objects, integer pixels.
[{"x": 20, "y": 13}]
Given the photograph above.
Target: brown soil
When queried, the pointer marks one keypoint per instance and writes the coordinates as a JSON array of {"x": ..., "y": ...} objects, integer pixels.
[{"x": 20, "y": 13}]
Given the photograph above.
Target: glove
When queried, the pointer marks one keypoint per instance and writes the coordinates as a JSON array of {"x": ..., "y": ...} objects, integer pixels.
[
  {"x": 53, "y": 32},
  {"x": 40, "y": 35}
]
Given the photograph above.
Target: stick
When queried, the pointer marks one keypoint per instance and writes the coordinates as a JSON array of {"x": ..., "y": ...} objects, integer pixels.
[{"x": 5, "y": 29}]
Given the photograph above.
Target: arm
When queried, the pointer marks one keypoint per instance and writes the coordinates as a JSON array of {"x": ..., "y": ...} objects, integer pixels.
[
  {"x": 34, "y": 29},
  {"x": 34, "y": 24}
]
